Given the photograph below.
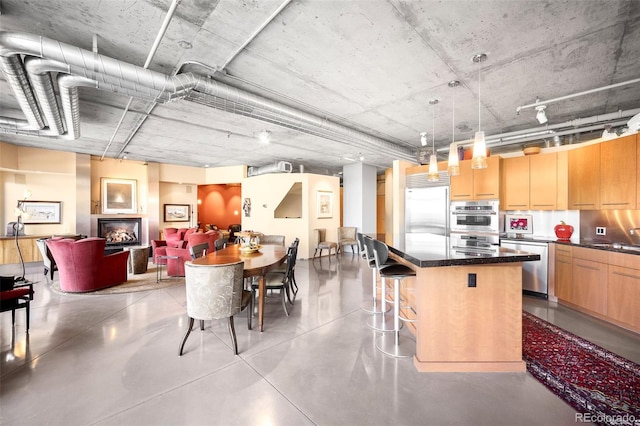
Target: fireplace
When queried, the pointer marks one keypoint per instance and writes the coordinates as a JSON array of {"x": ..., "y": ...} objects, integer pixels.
[{"x": 121, "y": 231}]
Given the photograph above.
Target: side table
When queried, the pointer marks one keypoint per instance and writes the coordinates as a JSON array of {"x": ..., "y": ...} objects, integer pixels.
[
  {"x": 162, "y": 260},
  {"x": 138, "y": 259}
]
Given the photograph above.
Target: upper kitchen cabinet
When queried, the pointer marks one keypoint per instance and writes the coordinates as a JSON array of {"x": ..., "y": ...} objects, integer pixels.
[
  {"x": 584, "y": 178},
  {"x": 618, "y": 173},
  {"x": 605, "y": 175},
  {"x": 535, "y": 182},
  {"x": 515, "y": 183},
  {"x": 483, "y": 184}
]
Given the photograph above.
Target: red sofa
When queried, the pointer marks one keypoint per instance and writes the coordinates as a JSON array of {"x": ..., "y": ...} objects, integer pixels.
[
  {"x": 83, "y": 266},
  {"x": 174, "y": 237},
  {"x": 175, "y": 267}
]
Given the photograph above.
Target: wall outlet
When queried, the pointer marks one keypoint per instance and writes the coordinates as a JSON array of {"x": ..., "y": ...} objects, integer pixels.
[{"x": 601, "y": 230}]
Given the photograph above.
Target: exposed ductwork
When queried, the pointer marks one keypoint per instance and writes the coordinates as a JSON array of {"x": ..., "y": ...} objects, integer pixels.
[
  {"x": 279, "y": 167},
  {"x": 106, "y": 73}
]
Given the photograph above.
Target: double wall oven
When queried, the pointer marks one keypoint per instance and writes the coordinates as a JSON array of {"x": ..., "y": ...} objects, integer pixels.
[{"x": 475, "y": 225}]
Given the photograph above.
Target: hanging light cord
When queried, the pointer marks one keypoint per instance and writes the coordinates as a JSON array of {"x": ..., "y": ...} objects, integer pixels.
[
  {"x": 433, "y": 130},
  {"x": 479, "y": 68},
  {"x": 453, "y": 119}
]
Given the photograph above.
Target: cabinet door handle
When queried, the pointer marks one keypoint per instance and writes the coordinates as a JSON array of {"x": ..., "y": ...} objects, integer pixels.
[
  {"x": 615, "y": 204},
  {"x": 627, "y": 275},
  {"x": 543, "y": 205},
  {"x": 482, "y": 195},
  {"x": 517, "y": 205},
  {"x": 565, "y": 262},
  {"x": 588, "y": 267},
  {"x": 461, "y": 195},
  {"x": 584, "y": 204}
]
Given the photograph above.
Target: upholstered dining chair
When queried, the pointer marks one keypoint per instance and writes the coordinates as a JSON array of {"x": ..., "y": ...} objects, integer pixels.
[
  {"x": 272, "y": 240},
  {"x": 216, "y": 292},
  {"x": 198, "y": 250},
  {"x": 320, "y": 235},
  {"x": 347, "y": 237}
]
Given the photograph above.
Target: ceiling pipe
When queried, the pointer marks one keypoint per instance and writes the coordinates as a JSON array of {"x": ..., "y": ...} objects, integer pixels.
[
  {"x": 152, "y": 52},
  {"x": 586, "y": 92},
  {"x": 255, "y": 34},
  {"x": 17, "y": 79},
  {"x": 38, "y": 71}
]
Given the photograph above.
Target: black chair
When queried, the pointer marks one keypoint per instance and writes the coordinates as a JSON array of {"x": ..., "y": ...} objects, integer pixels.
[
  {"x": 198, "y": 250},
  {"x": 236, "y": 227},
  {"x": 276, "y": 280},
  {"x": 220, "y": 243},
  {"x": 14, "y": 297}
]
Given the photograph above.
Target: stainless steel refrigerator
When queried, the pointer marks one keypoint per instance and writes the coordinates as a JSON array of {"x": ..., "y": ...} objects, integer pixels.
[{"x": 427, "y": 216}]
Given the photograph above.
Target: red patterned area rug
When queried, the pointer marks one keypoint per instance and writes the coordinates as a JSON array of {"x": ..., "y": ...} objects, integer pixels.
[{"x": 603, "y": 387}]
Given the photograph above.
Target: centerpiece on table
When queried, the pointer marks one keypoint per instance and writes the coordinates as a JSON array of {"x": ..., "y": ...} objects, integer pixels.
[{"x": 249, "y": 241}]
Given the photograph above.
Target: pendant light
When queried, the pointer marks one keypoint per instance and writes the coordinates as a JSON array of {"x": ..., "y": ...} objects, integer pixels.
[
  {"x": 479, "y": 159},
  {"x": 453, "y": 166},
  {"x": 433, "y": 175}
]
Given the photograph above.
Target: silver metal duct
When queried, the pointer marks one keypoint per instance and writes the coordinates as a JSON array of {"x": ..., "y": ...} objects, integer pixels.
[
  {"x": 279, "y": 167},
  {"x": 17, "y": 78},
  {"x": 42, "y": 84},
  {"x": 163, "y": 88}
]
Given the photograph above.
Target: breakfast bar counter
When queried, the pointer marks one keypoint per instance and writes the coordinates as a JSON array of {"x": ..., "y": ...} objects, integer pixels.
[{"x": 467, "y": 307}]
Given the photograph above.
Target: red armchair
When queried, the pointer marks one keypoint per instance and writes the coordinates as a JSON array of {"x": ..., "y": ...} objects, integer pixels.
[
  {"x": 175, "y": 267},
  {"x": 83, "y": 266}
]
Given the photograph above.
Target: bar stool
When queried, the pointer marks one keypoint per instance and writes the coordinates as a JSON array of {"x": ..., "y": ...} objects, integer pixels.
[
  {"x": 370, "y": 306},
  {"x": 379, "y": 321},
  {"x": 390, "y": 343}
]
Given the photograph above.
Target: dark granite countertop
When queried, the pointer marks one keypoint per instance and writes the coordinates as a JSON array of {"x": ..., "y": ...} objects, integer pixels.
[{"x": 437, "y": 252}]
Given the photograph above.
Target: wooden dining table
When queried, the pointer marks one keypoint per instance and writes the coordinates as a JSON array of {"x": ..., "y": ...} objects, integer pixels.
[{"x": 256, "y": 264}]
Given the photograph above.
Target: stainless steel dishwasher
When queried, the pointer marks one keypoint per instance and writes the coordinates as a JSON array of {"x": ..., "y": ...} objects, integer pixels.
[{"x": 534, "y": 274}]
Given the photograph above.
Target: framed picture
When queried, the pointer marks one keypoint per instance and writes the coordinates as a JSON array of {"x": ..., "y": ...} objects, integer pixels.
[
  {"x": 118, "y": 196},
  {"x": 177, "y": 212},
  {"x": 324, "y": 204},
  {"x": 41, "y": 211}
]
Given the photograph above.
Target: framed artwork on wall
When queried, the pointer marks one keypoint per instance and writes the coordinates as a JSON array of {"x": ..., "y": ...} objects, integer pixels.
[
  {"x": 118, "y": 196},
  {"x": 177, "y": 212},
  {"x": 38, "y": 212},
  {"x": 324, "y": 204}
]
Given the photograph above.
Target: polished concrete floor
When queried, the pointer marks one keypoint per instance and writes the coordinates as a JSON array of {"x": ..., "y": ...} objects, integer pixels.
[{"x": 114, "y": 360}]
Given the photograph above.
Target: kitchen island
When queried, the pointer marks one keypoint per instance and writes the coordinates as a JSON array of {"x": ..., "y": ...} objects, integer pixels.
[{"x": 467, "y": 307}]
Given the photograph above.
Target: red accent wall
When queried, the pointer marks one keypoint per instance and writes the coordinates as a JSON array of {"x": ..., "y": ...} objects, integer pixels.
[{"x": 219, "y": 205}]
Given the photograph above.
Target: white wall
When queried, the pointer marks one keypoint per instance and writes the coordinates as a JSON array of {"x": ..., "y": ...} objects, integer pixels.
[
  {"x": 359, "y": 183},
  {"x": 267, "y": 191}
]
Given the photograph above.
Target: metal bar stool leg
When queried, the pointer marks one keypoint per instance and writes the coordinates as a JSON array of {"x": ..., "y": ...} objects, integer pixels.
[
  {"x": 381, "y": 321},
  {"x": 390, "y": 343}
]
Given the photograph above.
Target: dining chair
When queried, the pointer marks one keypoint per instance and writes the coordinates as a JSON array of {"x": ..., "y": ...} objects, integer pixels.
[
  {"x": 198, "y": 250},
  {"x": 319, "y": 237},
  {"x": 347, "y": 237},
  {"x": 276, "y": 280},
  {"x": 216, "y": 292},
  {"x": 278, "y": 240},
  {"x": 220, "y": 244}
]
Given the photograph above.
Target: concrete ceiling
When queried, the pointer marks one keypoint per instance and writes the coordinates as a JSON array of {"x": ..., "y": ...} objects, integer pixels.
[{"x": 371, "y": 66}]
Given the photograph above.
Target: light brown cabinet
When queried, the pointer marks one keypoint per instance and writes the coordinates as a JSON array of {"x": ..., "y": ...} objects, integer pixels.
[
  {"x": 623, "y": 298},
  {"x": 605, "y": 175},
  {"x": 563, "y": 273},
  {"x": 28, "y": 248},
  {"x": 603, "y": 283},
  {"x": 515, "y": 183},
  {"x": 584, "y": 178},
  {"x": 618, "y": 173},
  {"x": 535, "y": 182},
  {"x": 483, "y": 184},
  {"x": 589, "y": 279}
]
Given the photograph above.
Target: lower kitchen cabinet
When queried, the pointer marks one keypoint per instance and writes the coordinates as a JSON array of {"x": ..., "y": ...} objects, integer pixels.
[{"x": 602, "y": 283}]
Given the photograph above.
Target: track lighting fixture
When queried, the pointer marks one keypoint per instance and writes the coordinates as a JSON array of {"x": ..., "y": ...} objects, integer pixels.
[
  {"x": 423, "y": 139},
  {"x": 541, "y": 116}
]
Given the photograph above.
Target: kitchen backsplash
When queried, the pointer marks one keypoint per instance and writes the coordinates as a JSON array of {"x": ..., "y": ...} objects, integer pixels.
[
  {"x": 617, "y": 224},
  {"x": 545, "y": 221}
]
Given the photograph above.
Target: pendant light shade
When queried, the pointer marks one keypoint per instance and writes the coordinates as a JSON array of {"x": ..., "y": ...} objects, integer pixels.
[
  {"x": 432, "y": 175},
  {"x": 453, "y": 166},
  {"x": 479, "y": 159}
]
